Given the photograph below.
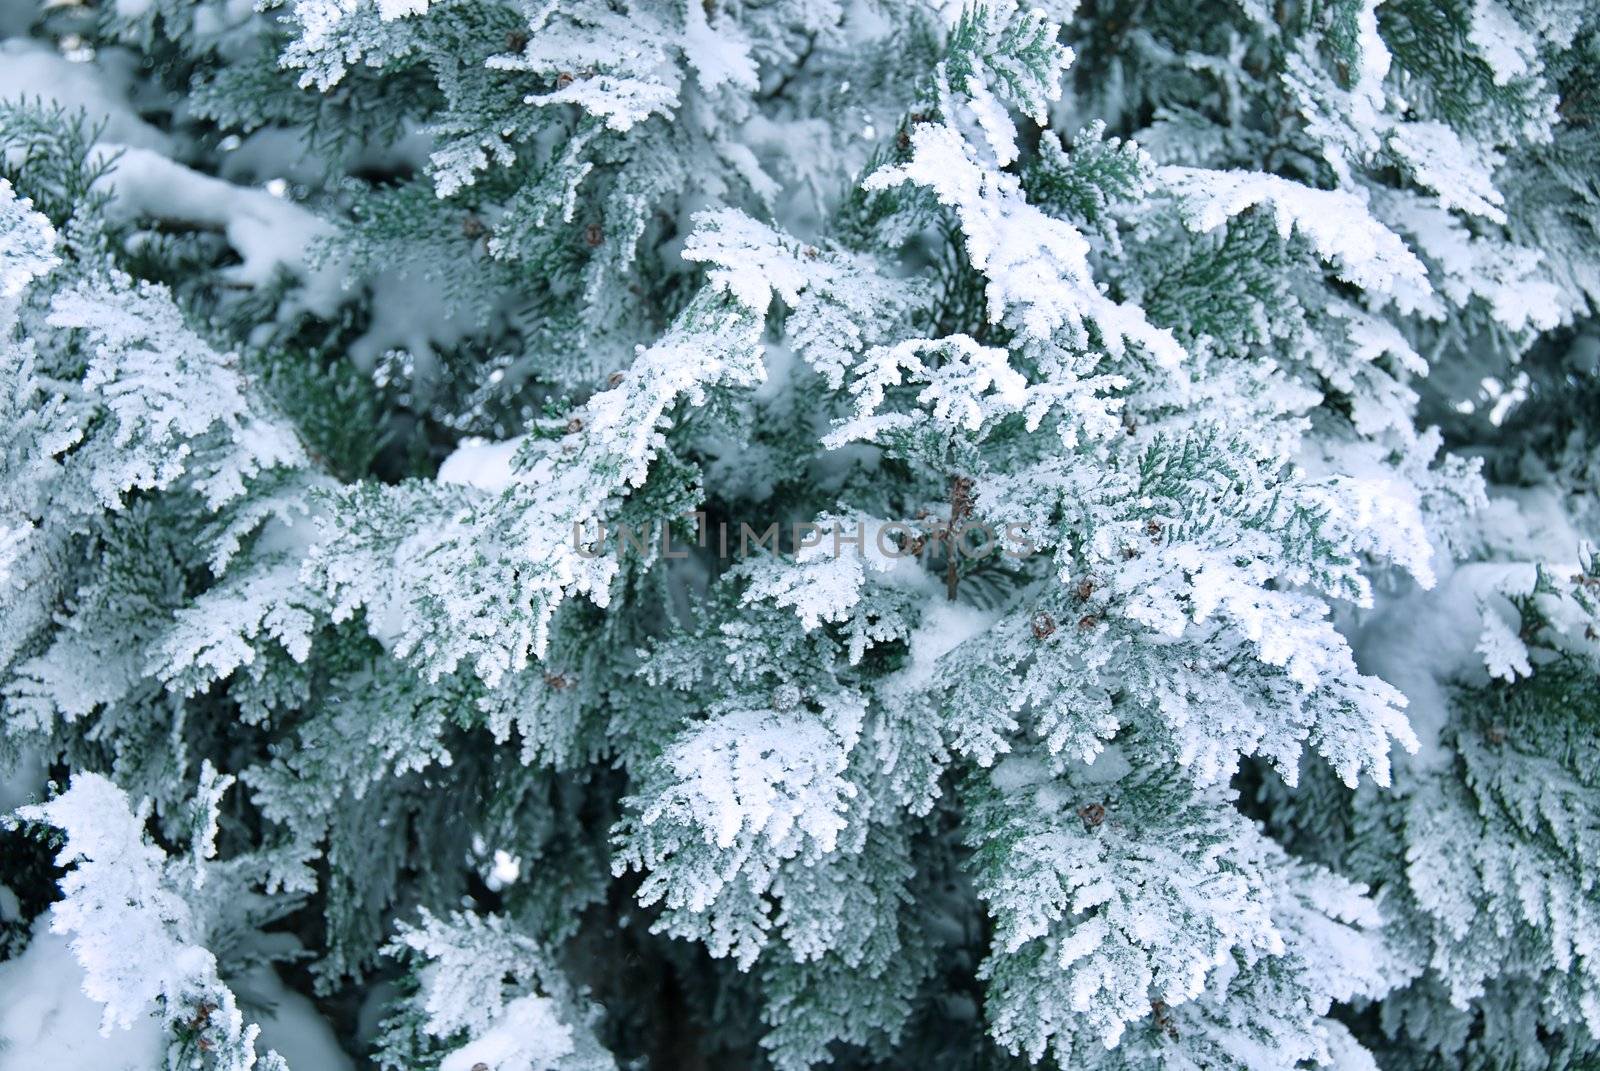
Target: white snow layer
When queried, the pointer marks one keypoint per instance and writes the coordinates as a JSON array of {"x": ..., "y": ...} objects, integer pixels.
[
  {"x": 267, "y": 232},
  {"x": 482, "y": 464},
  {"x": 47, "y": 1021},
  {"x": 32, "y": 70}
]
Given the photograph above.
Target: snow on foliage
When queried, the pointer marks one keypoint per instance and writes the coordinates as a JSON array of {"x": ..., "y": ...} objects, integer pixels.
[
  {"x": 1090, "y": 908},
  {"x": 561, "y": 489},
  {"x": 625, "y": 70},
  {"x": 478, "y": 989},
  {"x": 164, "y": 387},
  {"x": 742, "y": 793},
  {"x": 132, "y": 931},
  {"x": 828, "y": 573},
  {"x": 1337, "y": 224},
  {"x": 801, "y": 532},
  {"x": 1036, "y": 267},
  {"x": 29, "y": 247}
]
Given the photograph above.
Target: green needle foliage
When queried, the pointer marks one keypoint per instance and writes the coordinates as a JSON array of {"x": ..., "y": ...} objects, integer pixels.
[{"x": 764, "y": 533}]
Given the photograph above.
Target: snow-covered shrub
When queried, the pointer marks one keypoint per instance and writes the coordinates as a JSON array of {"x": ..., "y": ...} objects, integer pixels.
[{"x": 739, "y": 533}]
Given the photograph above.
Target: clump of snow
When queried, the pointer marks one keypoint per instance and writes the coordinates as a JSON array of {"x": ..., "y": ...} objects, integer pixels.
[
  {"x": 1426, "y": 640},
  {"x": 505, "y": 871},
  {"x": 290, "y": 1024},
  {"x": 1504, "y": 276},
  {"x": 527, "y": 1035},
  {"x": 759, "y": 774},
  {"x": 267, "y": 232},
  {"x": 47, "y": 1023},
  {"x": 1375, "y": 62},
  {"x": 131, "y": 931},
  {"x": 968, "y": 385},
  {"x": 482, "y": 464},
  {"x": 389, "y": 10},
  {"x": 470, "y": 963},
  {"x": 944, "y": 627},
  {"x": 31, "y": 70},
  {"x": 330, "y": 38}
]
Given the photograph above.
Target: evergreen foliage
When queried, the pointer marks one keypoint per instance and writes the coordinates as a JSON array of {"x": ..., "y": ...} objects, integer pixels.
[{"x": 662, "y": 533}]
